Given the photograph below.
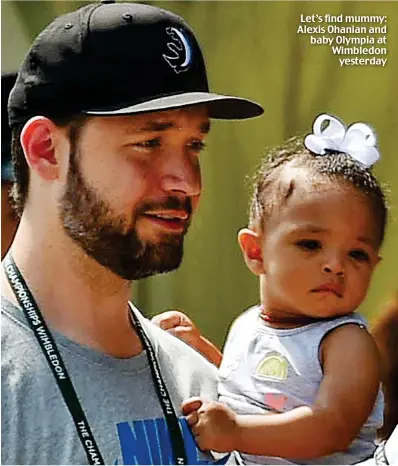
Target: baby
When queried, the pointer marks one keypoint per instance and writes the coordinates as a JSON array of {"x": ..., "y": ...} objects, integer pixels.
[{"x": 299, "y": 377}]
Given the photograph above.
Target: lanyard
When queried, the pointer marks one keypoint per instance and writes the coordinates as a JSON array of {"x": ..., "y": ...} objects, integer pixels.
[
  {"x": 173, "y": 425},
  {"x": 60, "y": 373}
]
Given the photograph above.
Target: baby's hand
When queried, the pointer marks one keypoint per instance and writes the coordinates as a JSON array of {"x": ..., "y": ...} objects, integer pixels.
[
  {"x": 213, "y": 424},
  {"x": 179, "y": 325}
]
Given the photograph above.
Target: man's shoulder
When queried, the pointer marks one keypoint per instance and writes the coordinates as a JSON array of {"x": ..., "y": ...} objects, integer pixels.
[
  {"x": 13, "y": 330},
  {"x": 19, "y": 352}
]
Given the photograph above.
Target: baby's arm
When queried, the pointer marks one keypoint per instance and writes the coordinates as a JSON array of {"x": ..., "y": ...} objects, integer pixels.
[
  {"x": 181, "y": 326},
  {"x": 344, "y": 401}
]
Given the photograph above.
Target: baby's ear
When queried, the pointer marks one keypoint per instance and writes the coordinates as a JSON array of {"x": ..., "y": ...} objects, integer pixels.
[{"x": 250, "y": 244}]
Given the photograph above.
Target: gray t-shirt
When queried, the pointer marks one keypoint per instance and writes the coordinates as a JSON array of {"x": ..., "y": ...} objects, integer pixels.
[{"x": 117, "y": 395}]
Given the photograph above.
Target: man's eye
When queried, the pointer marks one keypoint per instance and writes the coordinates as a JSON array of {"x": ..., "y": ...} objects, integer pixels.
[
  {"x": 150, "y": 143},
  {"x": 359, "y": 255},
  {"x": 197, "y": 146},
  {"x": 309, "y": 244}
]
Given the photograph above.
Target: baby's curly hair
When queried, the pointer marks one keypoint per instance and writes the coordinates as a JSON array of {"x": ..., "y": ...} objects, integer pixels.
[{"x": 271, "y": 193}]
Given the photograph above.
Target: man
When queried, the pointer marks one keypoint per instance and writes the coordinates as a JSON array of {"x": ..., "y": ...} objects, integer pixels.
[
  {"x": 8, "y": 219},
  {"x": 109, "y": 113}
]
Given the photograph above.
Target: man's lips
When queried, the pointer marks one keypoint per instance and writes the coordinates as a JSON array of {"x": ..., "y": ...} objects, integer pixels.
[
  {"x": 168, "y": 214},
  {"x": 334, "y": 288},
  {"x": 170, "y": 219}
]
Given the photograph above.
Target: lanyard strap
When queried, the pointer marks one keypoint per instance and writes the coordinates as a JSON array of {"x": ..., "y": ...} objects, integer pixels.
[
  {"x": 53, "y": 357},
  {"x": 163, "y": 395},
  {"x": 60, "y": 373}
]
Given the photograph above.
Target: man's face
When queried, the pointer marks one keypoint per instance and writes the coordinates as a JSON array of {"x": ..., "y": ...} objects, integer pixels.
[
  {"x": 9, "y": 220},
  {"x": 133, "y": 185}
]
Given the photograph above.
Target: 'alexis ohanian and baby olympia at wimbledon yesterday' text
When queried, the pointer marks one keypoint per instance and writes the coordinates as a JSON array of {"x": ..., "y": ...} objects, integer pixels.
[{"x": 351, "y": 36}]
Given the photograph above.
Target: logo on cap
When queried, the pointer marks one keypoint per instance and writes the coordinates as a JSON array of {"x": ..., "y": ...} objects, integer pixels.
[{"x": 181, "y": 56}]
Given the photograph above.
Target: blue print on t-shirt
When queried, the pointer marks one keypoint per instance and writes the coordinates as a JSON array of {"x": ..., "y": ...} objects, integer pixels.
[{"x": 148, "y": 442}]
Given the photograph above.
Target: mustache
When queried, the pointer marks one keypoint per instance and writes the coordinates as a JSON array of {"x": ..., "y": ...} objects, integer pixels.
[{"x": 170, "y": 203}]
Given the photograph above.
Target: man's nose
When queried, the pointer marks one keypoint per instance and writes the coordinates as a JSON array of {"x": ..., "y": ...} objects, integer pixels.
[{"x": 181, "y": 173}]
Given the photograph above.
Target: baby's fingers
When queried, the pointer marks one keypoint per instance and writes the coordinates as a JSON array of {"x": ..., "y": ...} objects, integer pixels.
[
  {"x": 192, "y": 419},
  {"x": 167, "y": 320},
  {"x": 190, "y": 405}
]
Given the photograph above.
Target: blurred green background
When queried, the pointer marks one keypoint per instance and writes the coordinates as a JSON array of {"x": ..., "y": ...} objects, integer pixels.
[{"x": 252, "y": 49}]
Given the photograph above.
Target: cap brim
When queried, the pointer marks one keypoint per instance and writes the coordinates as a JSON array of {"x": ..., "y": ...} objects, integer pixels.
[{"x": 222, "y": 107}]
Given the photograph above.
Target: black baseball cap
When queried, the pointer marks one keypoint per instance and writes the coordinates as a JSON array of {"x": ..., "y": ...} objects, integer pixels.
[
  {"x": 7, "y": 83},
  {"x": 117, "y": 59}
]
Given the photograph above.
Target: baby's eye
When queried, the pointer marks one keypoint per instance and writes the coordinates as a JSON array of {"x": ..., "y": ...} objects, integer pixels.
[
  {"x": 309, "y": 244},
  {"x": 359, "y": 255}
]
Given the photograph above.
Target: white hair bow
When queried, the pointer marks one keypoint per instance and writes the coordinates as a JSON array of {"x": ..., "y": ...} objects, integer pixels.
[{"x": 358, "y": 140}]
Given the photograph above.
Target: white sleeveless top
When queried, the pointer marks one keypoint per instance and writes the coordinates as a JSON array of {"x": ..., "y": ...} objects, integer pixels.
[{"x": 266, "y": 370}]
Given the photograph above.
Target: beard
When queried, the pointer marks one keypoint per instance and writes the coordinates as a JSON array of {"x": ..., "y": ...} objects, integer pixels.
[{"x": 107, "y": 238}]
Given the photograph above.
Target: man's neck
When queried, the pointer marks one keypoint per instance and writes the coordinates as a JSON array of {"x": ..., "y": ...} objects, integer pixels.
[{"x": 77, "y": 297}]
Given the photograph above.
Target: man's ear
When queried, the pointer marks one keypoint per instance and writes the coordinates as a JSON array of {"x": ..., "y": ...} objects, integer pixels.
[
  {"x": 38, "y": 142},
  {"x": 250, "y": 244}
]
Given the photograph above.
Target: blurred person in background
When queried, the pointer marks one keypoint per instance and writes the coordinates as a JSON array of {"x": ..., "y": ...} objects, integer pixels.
[
  {"x": 385, "y": 332},
  {"x": 386, "y": 453},
  {"x": 9, "y": 219},
  {"x": 109, "y": 115}
]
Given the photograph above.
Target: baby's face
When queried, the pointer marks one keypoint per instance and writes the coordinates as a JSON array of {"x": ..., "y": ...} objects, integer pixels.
[{"x": 319, "y": 252}]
